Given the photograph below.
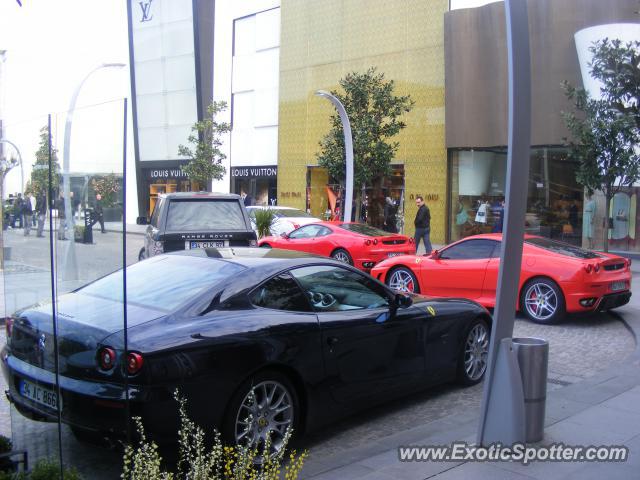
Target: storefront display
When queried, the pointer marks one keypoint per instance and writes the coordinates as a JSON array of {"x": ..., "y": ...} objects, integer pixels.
[{"x": 259, "y": 183}]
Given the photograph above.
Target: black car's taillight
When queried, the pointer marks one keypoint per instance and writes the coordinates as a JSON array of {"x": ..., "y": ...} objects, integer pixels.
[
  {"x": 106, "y": 358},
  {"x": 134, "y": 363}
]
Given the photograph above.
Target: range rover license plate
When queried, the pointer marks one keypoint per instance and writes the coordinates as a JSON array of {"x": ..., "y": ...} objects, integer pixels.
[
  {"x": 43, "y": 396},
  {"x": 198, "y": 244}
]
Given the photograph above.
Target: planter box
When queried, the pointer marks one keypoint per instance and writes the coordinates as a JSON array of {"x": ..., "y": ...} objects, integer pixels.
[{"x": 112, "y": 214}]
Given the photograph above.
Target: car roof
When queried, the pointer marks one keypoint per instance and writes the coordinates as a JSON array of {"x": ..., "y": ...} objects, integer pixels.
[
  {"x": 272, "y": 207},
  {"x": 200, "y": 195}
]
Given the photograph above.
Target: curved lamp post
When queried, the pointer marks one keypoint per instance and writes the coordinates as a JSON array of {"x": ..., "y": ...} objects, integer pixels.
[
  {"x": 348, "y": 151},
  {"x": 70, "y": 270},
  {"x": 4, "y": 140}
]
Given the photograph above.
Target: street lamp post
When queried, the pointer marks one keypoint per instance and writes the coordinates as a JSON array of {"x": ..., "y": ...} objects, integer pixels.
[
  {"x": 70, "y": 269},
  {"x": 4, "y": 140},
  {"x": 348, "y": 151}
]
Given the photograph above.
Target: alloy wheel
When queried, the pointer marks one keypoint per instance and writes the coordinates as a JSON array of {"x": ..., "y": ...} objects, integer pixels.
[
  {"x": 266, "y": 411},
  {"x": 342, "y": 256},
  {"x": 476, "y": 352},
  {"x": 402, "y": 281},
  {"x": 541, "y": 301}
]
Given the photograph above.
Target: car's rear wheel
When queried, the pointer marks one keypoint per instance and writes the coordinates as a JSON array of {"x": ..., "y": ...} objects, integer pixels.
[
  {"x": 342, "y": 255},
  {"x": 142, "y": 255},
  {"x": 403, "y": 279},
  {"x": 474, "y": 355},
  {"x": 264, "y": 405},
  {"x": 542, "y": 301}
]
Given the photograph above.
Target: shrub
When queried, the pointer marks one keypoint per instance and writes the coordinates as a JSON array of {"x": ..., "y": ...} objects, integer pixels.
[
  {"x": 43, "y": 470},
  {"x": 198, "y": 462}
]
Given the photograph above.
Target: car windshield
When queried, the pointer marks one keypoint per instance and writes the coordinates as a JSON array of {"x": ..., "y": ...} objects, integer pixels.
[
  {"x": 364, "y": 230},
  {"x": 292, "y": 213},
  {"x": 562, "y": 248},
  {"x": 196, "y": 215},
  {"x": 163, "y": 282}
]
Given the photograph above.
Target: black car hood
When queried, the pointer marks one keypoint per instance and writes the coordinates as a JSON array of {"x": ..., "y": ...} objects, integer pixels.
[{"x": 83, "y": 322}]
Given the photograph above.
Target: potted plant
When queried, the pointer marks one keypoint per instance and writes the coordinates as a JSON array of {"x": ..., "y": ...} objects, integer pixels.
[{"x": 264, "y": 220}]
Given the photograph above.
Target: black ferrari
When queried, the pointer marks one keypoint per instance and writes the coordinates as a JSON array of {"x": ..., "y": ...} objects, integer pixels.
[{"x": 278, "y": 338}]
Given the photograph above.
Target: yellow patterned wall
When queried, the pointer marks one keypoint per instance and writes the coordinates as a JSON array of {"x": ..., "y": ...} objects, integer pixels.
[{"x": 323, "y": 40}]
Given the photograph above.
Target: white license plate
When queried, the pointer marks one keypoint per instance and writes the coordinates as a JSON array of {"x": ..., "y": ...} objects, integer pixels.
[
  {"x": 395, "y": 254},
  {"x": 217, "y": 244},
  {"x": 617, "y": 286},
  {"x": 41, "y": 395}
]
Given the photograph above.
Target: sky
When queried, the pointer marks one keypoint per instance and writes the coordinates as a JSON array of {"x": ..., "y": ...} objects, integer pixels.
[{"x": 51, "y": 46}]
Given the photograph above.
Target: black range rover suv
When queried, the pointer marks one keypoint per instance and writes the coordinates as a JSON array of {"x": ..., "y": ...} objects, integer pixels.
[{"x": 186, "y": 220}]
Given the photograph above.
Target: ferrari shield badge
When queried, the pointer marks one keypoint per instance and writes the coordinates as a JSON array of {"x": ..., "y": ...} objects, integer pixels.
[{"x": 431, "y": 310}]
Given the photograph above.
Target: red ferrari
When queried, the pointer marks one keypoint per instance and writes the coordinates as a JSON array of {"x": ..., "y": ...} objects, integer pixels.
[
  {"x": 556, "y": 277},
  {"x": 357, "y": 244}
]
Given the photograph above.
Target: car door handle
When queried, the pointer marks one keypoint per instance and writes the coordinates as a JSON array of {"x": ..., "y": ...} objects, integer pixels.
[{"x": 331, "y": 341}]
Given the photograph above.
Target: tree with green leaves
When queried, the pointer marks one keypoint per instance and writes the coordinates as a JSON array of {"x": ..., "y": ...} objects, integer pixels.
[
  {"x": 374, "y": 113},
  {"x": 204, "y": 152},
  {"x": 40, "y": 169},
  {"x": 617, "y": 66},
  {"x": 603, "y": 144}
]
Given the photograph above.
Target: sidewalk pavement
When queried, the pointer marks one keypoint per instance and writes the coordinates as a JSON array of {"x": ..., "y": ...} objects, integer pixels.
[{"x": 601, "y": 410}]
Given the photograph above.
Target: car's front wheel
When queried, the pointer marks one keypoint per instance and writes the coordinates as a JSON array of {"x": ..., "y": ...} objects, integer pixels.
[
  {"x": 265, "y": 245},
  {"x": 542, "y": 301},
  {"x": 403, "y": 279},
  {"x": 265, "y": 405},
  {"x": 474, "y": 355}
]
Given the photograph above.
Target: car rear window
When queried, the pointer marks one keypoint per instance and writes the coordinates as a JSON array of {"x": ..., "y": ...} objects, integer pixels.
[
  {"x": 194, "y": 215},
  {"x": 365, "y": 230},
  {"x": 292, "y": 213},
  {"x": 164, "y": 282},
  {"x": 562, "y": 248}
]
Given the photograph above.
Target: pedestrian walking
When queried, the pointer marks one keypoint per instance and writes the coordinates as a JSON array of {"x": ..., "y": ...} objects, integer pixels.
[
  {"x": 27, "y": 212},
  {"x": 422, "y": 223},
  {"x": 41, "y": 212},
  {"x": 98, "y": 213}
]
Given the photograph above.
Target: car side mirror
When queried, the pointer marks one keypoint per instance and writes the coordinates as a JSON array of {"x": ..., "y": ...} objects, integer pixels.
[
  {"x": 435, "y": 254},
  {"x": 142, "y": 221},
  {"x": 284, "y": 235},
  {"x": 402, "y": 301}
]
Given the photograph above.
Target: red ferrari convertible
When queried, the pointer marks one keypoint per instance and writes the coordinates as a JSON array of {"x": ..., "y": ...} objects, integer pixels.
[
  {"x": 357, "y": 244},
  {"x": 556, "y": 277}
]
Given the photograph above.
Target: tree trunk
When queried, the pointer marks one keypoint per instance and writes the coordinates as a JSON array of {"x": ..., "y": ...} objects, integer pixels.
[
  {"x": 358, "y": 204},
  {"x": 607, "y": 212}
]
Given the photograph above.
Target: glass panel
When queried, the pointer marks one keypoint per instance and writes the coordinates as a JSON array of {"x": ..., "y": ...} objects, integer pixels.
[{"x": 29, "y": 355}]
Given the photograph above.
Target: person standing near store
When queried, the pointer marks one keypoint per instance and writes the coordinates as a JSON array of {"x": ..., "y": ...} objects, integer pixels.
[
  {"x": 41, "y": 212},
  {"x": 27, "y": 212},
  {"x": 423, "y": 225},
  {"x": 98, "y": 213},
  {"x": 62, "y": 222},
  {"x": 17, "y": 211}
]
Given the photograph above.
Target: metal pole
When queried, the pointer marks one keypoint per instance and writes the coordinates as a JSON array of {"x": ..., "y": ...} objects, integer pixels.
[
  {"x": 70, "y": 269},
  {"x": 4, "y": 140},
  {"x": 502, "y": 413},
  {"x": 348, "y": 151}
]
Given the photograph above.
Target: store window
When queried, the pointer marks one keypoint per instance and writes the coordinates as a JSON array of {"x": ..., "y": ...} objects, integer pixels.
[
  {"x": 380, "y": 205},
  {"x": 555, "y": 201}
]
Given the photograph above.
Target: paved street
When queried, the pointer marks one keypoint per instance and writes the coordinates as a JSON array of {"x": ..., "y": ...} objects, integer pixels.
[{"x": 579, "y": 349}]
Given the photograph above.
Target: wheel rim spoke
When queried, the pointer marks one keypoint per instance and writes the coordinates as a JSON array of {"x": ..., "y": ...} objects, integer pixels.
[{"x": 476, "y": 352}]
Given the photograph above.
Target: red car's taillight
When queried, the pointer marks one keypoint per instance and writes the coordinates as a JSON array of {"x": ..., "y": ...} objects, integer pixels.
[
  {"x": 588, "y": 268},
  {"x": 367, "y": 242},
  {"x": 106, "y": 358},
  {"x": 410, "y": 240},
  {"x": 596, "y": 269},
  {"x": 134, "y": 363},
  {"x": 8, "y": 325},
  {"x": 375, "y": 241}
]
